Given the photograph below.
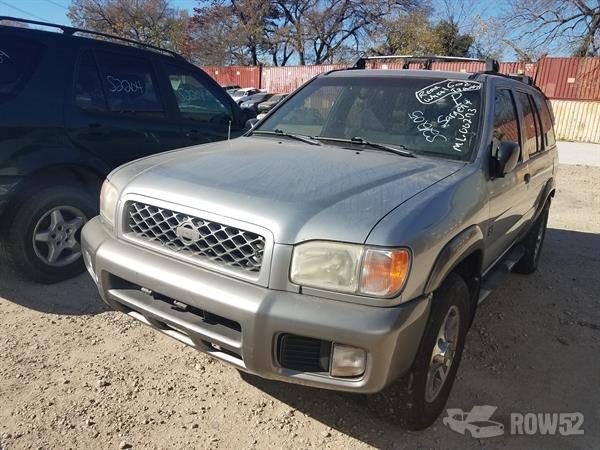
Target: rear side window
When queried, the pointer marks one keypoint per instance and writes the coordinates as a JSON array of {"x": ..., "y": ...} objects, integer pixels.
[
  {"x": 18, "y": 60},
  {"x": 88, "y": 88},
  {"x": 129, "y": 85},
  {"x": 530, "y": 125},
  {"x": 506, "y": 126},
  {"x": 547, "y": 122}
]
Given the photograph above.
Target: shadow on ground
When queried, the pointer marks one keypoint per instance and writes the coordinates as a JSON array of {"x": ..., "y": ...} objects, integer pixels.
[{"x": 77, "y": 296}]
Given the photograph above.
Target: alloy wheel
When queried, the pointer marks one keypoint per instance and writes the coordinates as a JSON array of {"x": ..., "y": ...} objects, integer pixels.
[
  {"x": 443, "y": 353},
  {"x": 56, "y": 236}
]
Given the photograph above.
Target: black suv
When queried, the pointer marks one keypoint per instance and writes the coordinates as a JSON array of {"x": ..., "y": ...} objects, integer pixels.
[{"x": 73, "y": 108}]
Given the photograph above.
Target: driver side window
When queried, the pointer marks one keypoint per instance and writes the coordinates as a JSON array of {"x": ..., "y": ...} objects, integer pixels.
[{"x": 194, "y": 100}]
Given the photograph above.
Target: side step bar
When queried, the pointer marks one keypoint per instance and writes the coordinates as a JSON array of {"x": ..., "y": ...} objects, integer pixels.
[{"x": 504, "y": 266}]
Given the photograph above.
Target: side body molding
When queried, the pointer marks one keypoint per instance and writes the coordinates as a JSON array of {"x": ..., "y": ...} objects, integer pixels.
[{"x": 461, "y": 245}]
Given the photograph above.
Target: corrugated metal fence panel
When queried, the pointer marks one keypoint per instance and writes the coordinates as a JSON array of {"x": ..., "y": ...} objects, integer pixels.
[
  {"x": 559, "y": 78},
  {"x": 288, "y": 78},
  {"x": 577, "y": 120},
  {"x": 570, "y": 78},
  {"x": 243, "y": 76}
]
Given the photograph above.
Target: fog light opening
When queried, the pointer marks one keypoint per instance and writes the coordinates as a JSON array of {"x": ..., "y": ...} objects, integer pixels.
[{"x": 347, "y": 361}]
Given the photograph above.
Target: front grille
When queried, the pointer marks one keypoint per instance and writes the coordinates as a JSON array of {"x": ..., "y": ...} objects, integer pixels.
[
  {"x": 304, "y": 354},
  {"x": 196, "y": 237}
]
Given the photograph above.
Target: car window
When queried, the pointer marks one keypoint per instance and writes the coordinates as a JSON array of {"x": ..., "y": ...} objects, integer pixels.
[
  {"x": 129, "y": 84},
  {"x": 88, "y": 88},
  {"x": 429, "y": 115},
  {"x": 547, "y": 122},
  {"x": 538, "y": 125},
  {"x": 18, "y": 59},
  {"x": 505, "y": 126},
  {"x": 194, "y": 99},
  {"x": 529, "y": 123}
]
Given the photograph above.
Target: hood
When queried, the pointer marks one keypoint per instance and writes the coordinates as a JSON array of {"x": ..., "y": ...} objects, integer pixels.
[{"x": 298, "y": 191}]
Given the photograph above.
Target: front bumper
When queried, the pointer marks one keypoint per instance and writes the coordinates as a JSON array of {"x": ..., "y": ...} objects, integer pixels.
[{"x": 251, "y": 317}]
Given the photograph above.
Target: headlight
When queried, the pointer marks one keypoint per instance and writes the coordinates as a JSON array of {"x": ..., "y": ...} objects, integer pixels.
[
  {"x": 350, "y": 268},
  {"x": 109, "y": 196}
]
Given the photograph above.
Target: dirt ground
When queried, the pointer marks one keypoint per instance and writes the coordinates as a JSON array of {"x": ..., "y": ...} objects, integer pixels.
[{"x": 75, "y": 375}]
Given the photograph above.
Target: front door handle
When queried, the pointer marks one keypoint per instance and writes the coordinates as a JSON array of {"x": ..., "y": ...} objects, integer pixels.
[{"x": 527, "y": 178}]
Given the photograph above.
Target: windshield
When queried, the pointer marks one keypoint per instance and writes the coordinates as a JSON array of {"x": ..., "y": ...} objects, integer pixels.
[{"x": 428, "y": 115}]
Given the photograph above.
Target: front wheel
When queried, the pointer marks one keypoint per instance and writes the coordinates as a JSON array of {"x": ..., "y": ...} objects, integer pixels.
[
  {"x": 416, "y": 400},
  {"x": 42, "y": 240}
]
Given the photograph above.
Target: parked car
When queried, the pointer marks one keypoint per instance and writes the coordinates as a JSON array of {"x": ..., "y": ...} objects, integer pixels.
[
  {"x": 345, "y": 241},
  {"x": 266, "y": 106},
  {"x": 241, "y": 95},
  {"x": 72, "y": 109},
  {"x": 255, "y": 100},
  {"x": 231, "y": 87}
]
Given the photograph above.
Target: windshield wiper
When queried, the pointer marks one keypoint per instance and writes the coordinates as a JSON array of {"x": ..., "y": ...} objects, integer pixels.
[
  {"x": 299, "y": 137},
  {"x": 398, "y": 149}
]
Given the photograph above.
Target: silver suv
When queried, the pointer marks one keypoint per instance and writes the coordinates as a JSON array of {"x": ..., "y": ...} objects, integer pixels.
[{"x": 346, "y": 240}]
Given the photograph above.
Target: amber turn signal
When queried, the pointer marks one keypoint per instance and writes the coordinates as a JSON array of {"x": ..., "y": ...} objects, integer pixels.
[{"x": 384, "y": 271}]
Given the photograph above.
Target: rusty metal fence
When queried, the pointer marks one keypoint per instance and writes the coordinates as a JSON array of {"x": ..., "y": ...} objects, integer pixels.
[{"x": 559, "y": 78}]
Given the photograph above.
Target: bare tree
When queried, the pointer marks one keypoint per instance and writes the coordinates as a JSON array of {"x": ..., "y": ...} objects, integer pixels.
[
  {"x": 149, "y": 21},
  {"x": 546, "y": 25},
  {"x": 241, "y": 26},
  {"x": 294, "y": 29}
]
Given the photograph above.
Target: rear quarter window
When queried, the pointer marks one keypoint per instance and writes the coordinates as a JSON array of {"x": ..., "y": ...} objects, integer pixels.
[{"x": 18, "y": 59}]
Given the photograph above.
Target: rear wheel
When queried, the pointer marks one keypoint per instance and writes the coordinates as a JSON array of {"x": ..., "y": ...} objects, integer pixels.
[
  {"x": 533, "y": 244},
  {"x": 416, "y": 400},
  {"x": 42, "y": 241}
]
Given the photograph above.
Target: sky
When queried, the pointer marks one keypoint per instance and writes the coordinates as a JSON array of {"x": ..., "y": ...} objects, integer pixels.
[{"x": 55, "y": 11}]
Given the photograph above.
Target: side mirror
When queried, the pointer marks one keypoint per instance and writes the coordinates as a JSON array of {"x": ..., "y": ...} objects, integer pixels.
[
  {"x": 507, "y": 157},
  {"x": 250, "y": 124}
]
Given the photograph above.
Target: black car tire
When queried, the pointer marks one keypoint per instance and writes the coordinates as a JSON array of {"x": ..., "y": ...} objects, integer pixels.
[
  {"x": 404, "y": 402},
  {"x": 18, "y": 242},
  {"x": 533, "y": 242}
]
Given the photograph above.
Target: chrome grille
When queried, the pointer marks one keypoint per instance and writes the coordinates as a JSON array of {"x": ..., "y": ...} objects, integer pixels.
[{"x": 196, "y": 237}]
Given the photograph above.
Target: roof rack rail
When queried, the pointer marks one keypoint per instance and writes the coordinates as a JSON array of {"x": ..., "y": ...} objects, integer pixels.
[
  {"x": 70, "y": 31},
  {"x": 523, "y": 78},
  {"x": 491, "y": 65}
]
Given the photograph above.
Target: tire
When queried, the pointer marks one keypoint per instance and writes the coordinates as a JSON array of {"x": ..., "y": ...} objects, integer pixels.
[
  {"x": 36, "y": 214},
  {"x": 410, "y": 402},
  {"x": 533, "y": 243}
]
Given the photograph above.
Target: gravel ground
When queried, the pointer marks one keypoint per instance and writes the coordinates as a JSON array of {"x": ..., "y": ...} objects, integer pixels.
[{"x": 75, "y": 375}]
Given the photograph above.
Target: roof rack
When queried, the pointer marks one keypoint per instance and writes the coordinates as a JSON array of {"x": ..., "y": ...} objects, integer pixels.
[
  {"x": 522, "y": 78},
  {"x": 70, "y": 31},
  {"x": 491, "y": 65}
]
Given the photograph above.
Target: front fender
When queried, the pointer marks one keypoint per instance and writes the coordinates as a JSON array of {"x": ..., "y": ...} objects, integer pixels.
[{"x": 463, "y": 244}]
